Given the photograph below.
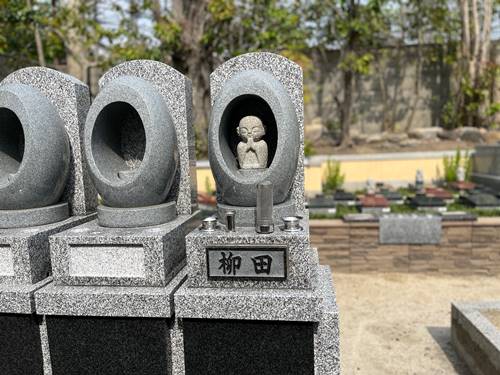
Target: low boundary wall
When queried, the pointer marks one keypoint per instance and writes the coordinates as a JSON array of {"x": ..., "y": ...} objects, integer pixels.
[{"x": 466, "y": 247}]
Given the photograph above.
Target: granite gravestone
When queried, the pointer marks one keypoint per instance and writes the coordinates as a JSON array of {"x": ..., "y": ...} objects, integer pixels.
[
  {"x": 269, "y": 96},
  {"x": 256, "y": 303},
  {"x": 486, "y": 166},
  {"x": 44, "y": 189},
  {"x": 116, "y": 275},
  {"x": 422, "y": 202}
]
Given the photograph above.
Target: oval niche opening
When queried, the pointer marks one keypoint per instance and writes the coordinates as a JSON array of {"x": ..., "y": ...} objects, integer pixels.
[
  {"x": 242, "y": 106},
  {"x": 118, "y": 141},
  {"x": 11, "y": 144}
]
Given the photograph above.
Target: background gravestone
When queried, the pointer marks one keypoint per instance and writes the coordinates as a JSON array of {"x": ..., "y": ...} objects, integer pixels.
[
  {"x": 256, "y": 303},
  {"x": 45, "y": 189},
  {"x": 116, "y": 275}
]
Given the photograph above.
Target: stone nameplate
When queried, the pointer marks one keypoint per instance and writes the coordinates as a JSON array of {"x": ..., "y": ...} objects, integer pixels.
[
  {"x": 247, "y": 262},
  {"x": 107, "y": 261},
  {"x": 6, "y": 261}
]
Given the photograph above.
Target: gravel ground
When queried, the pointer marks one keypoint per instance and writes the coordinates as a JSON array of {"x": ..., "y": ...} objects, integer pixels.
[{"x": 400, "y": 323}]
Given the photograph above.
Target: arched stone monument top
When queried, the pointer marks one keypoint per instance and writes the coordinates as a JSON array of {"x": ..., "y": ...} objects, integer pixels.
[
  {"x": 71, "y": 98},
  {"x": 176, "y": 90},
  {"x": 289, "y": 78}
]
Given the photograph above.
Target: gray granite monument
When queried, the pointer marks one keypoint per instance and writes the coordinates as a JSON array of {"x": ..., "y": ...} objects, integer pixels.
[
  {"x": 44, "y": 190},
  {"x": 256, "y": 300},
  {"x": 109, "y": 307},
  {"x": 268, "y": 102}
]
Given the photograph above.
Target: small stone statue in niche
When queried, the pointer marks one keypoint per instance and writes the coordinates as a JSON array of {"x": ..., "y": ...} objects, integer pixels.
[{"x": 252, "y": 150}]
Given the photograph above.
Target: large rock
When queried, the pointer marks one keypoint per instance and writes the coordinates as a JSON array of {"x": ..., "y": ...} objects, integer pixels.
[
  {"x": 395, "y": 137},
  {"x": 425, "y": 133},
  {"x": 493, "y": 136},
  {"x": 409, "y": 143},
  {"x": 470, "y": 134},
  {"x": 315, "y": 130},
  {"x": 448, "y": 135},
  {"x": 375, "y": 138},
  {"x": 359, "y": 139}
]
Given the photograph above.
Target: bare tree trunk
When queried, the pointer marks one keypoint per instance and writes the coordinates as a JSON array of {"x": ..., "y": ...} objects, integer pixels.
[
  {"x": 486, "y": 34},
  {"x": 418, "y": 77},
  {"x": 346, "y": 107},
  {"x": 38, "y": 40},
  {"x": 346, "y": 110},
  {"x": 194, "y": 59},
  {"x": 382, "y": 81},
  {"x": 476, "y": 43},
  {"x": 476, "y": 48},
  {"x": 76, "y": 64}
]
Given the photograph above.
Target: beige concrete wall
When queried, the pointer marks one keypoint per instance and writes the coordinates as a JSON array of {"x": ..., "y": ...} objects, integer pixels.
[{"x": 397, "y": 168}]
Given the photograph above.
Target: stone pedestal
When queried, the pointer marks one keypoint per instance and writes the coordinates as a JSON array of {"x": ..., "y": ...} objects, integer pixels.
[
  {"x": 108, "y": 329},
  {"x": 53, "y": 193},
  {"x": 90, "y": 254},
  {"x": 245, "y": 321},
  {"x": 256, "y": 303},
  {"x": 109, "y": 308},
  {"x": 25, "y": 267}
]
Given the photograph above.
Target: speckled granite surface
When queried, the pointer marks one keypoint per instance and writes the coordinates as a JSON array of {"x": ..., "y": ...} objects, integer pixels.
[
  {"x": 176, "y": 90},
  {"x": 93, "y": 255},
  {"x": 301, "y": 258},
  {"x": 71, "y": 98},
  {"x": 19, "y": 298},
  {"x": 108, "y": 301},
  {"x": 24, "y": 252},
  {"x": 289, "y": 75}
]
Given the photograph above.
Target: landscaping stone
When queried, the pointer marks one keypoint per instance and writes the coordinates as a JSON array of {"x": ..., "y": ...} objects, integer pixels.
[
  {"x": 425, "y": 133},
  {"x": 470, "y": 134}
]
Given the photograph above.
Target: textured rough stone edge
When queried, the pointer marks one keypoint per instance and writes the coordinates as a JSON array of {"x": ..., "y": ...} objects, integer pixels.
[
  {"x": 19, "y": 298},
  {"x": 472, "y": 332},
  {"x": 248, "y": 304},
  {"x": 290, "y": 75},
  {"x": 327, "y": 337},
  {"x": 30, "y": 248},
  {"x": 176, "y": 90},
  {"x": 71, "y": 98},
  {"x": 302, "y": 264},
  {"x": 33, "y": 217},
  {"x": 113, "y": 217},
  {"x": 177, "y": 366},
  {"x": 108, "y": 301},
  {"x": 164, "y": 250},
  {"x": 44, "y": 338}
]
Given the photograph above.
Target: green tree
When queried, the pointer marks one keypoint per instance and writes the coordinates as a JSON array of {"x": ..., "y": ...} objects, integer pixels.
[
  {"x": 333, "y": 178},
  {"x": 25, "y": 39},
  {"x": 356, "y": 28},
  {"x": 197, "y": 36}
]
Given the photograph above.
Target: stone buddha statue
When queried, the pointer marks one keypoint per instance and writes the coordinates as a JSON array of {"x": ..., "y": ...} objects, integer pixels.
[{"x": 252, "y": 150}]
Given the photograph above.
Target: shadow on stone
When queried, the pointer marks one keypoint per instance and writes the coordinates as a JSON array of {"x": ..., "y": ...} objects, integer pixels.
[{"x": 442, "y": 337}]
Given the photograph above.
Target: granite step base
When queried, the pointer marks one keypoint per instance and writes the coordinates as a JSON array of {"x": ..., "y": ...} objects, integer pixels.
[{"x": 249, "y": 331}]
